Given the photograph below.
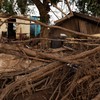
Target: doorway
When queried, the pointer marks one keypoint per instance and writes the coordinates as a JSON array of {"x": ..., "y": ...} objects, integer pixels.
[{"x": 11, "y": 29}]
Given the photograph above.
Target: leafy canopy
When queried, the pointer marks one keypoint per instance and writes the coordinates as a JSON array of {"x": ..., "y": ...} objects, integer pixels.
[
  {"x": 11, "y": 7},
  {"x": 88, "y": 6}
]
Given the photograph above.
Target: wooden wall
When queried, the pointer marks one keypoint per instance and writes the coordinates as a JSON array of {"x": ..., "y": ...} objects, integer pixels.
[
  {"x": 76, "y": 24},
  {"x": 71, "y": 23},
  {"x": 22, "y": 28},
  {"x": 3, "y": 28},
  {"x": 88, "y": 27}
]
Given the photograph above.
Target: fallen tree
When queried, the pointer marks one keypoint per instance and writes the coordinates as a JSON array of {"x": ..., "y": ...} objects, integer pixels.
[{"x": 51, "y": 56}]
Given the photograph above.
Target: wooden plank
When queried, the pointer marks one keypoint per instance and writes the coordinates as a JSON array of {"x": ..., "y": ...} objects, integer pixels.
[{"x": 82, "y": 26}]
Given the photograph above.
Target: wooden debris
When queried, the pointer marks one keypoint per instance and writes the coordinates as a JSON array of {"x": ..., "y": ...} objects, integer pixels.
[
  {"x": 58, "y": 50},
  {"x": 66, "y": 73}
]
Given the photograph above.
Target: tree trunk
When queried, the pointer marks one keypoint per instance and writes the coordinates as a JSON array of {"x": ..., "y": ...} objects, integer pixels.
[{"x": 44, "y": 17}]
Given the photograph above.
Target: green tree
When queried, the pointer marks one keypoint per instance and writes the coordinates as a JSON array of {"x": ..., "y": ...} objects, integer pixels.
[
  {"x": 6, "y": 6},
  {"x": 88, "y": 6},
  {"x": 11, "y": 7}
]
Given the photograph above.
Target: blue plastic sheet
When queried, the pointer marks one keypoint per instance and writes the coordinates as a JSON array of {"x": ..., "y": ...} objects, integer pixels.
[{"x": 35, "y": 28}]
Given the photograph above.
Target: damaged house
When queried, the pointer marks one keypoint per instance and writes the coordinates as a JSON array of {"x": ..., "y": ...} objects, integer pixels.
[
  {"x": 14, "y": 28},
  {"x": 77, "y": 23}
]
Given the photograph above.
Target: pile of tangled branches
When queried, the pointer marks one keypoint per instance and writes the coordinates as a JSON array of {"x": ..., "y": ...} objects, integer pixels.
[{"x": 72, "y": 76}]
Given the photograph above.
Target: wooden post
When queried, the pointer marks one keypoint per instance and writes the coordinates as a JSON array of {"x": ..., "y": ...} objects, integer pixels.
[{"x": 45, "y": 34}]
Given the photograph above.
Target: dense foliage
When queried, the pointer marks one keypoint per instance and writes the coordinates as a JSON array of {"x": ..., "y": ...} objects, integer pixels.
[
  {"x": 15, "y": 6},
  {"x": 88, "y": 6},
  {"x": 6, "y": 6}
]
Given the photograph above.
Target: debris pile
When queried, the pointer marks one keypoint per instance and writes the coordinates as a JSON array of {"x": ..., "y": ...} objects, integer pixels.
[{"x": 71, "y": 72}]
